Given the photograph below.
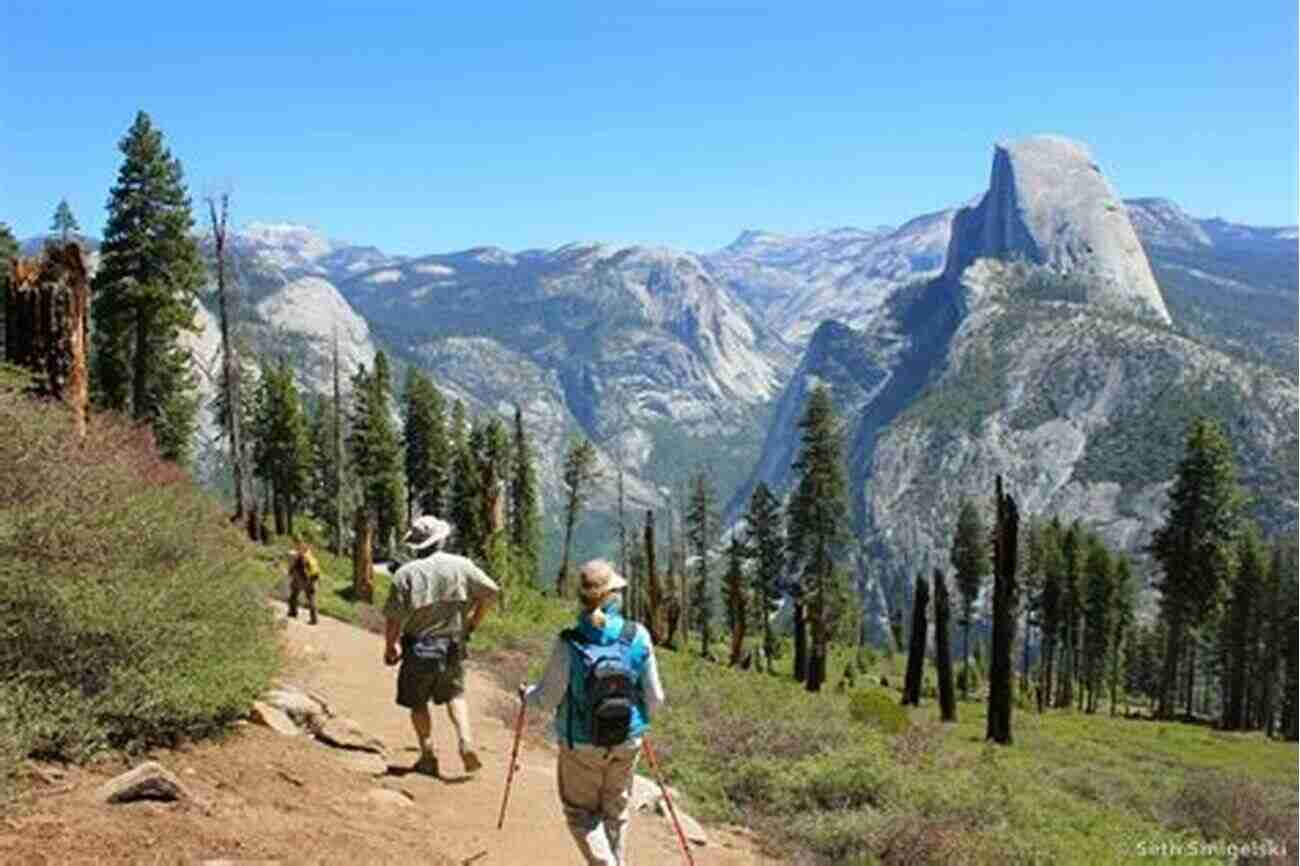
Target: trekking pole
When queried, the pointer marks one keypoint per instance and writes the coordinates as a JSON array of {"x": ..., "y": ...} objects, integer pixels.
[
  {"x": 654, "y": 768},
  {"x": 514, "y": 754}
]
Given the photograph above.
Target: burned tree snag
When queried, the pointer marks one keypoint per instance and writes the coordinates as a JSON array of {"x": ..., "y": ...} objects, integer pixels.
[
  {"x": 943, "y": 649},
  {"x": 46, "y": 320},
  {"x": 363, "y": 566},
  {"x": 1005, "y": 592},
  {"x": 916, "y": 649}
]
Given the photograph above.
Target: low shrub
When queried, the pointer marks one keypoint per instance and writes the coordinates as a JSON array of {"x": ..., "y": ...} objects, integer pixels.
[
  {"x": 131, "y": 613},
  {"x": 1222, "y": 807},
  {"x": 880, "y": 708}
]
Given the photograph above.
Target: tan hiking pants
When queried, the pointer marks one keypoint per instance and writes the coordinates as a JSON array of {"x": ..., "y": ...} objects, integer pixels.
[{"x": 596, "y": 788}]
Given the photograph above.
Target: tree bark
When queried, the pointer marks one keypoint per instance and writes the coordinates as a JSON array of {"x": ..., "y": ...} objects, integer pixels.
[
  {"x": 800, "y": 644},
  {"x": 1167, "y": 694},
  {"x": 46, "y": 326},
  {"x": 1005, "y": 592},
  {"x": 943, "y": 649},
  {"x": 916, "y": 647},
  {"x": 230, "y": 384},
  {"x": 363, "y": 569}
]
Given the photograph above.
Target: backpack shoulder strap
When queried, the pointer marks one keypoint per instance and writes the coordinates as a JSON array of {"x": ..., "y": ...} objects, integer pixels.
[{"x": 627, "y": 636}]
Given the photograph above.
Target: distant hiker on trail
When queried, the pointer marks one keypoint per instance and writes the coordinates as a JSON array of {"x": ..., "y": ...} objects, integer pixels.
[
  {"x": 603, "y": 682},
  {"x": 436, "y": 602},
  {"x": 304, "y": 574}
]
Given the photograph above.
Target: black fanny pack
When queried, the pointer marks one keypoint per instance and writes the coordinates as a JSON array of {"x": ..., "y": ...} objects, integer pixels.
[{"x": 438, "y": 651}]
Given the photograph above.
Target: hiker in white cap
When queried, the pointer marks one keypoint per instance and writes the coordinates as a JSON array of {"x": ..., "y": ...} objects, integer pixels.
[
  {"x": 436, "y": 602},
  {"x": 603, "y": 683}
]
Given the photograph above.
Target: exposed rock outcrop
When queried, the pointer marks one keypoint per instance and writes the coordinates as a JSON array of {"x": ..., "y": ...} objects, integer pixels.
[{"x": 1049, "y": 203}]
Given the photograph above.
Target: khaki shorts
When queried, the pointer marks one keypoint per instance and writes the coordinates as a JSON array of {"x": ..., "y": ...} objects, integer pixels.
[{"x": 421, "y": 681}]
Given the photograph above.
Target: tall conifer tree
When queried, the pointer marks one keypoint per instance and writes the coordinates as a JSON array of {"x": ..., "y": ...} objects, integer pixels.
[
  {"x": 817, "y": 531},
  {"x": 525, "y": 513},
  {"x": 144, "y": 293},
  {"x": 1242, "y": 626},
  {"x": 1194, "y": 546},
  {"x": 970, "y": 561},
  {"x": 64, "y": 223},
  {"x": 765, "y": 543},
  {"x": 580, "y": 471},
  {"x": 701, "y": 523},
  {"x": 8, "y": 252}
]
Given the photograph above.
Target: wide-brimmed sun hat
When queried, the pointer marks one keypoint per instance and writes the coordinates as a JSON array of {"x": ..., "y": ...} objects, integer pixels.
[
  {"x": 598, "y": 578},
  {"x": 426, "y": 531}
]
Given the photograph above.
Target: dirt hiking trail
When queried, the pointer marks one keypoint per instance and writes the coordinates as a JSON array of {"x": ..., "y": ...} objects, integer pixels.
[{"x": 262, "y": 797}]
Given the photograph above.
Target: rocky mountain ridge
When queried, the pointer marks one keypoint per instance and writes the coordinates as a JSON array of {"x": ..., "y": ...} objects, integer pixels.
[{"x": 1023, "y": 360}]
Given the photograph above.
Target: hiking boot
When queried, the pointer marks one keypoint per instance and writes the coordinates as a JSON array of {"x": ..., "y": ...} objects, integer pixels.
[
  {"x": 428, "y": 764},
  {"x": 469, "y": 758},
  {"x": 313, "y": 621}
]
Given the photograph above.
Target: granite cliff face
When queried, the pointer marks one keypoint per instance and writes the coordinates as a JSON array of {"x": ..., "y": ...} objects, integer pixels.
[
  {"x": 1044, "y": 353},
  {"x": 1049, "y": 204},
  {"x": 649, "y": 353}
]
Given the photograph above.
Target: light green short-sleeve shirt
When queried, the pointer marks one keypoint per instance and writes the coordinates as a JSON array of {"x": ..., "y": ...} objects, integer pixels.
[{"x": 432, "y": 595}]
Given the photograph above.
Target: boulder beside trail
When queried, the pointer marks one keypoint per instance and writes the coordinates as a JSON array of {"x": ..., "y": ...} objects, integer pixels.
[
  {"x": 304, "y": 710},
  {"x": 273, "y": 718},
  {"x": 149, "y": 781},
  {"x": 346, "y": 734}
]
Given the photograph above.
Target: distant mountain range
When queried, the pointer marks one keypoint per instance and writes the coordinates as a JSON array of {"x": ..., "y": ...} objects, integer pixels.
[{"x": 944, "y": 367}]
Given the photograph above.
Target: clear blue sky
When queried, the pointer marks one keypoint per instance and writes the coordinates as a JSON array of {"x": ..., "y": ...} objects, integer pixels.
[{"x": 446, "y": 125}]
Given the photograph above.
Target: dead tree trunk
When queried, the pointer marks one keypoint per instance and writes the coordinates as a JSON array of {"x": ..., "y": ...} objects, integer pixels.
[
  {"x": 916, "y": 647},
  {"x": 1005, "y": 538},
  {"x": 230, "y": 385},
  {"x": 658, "y": 615},
  {"x": 943, "y": 649},
  {"x": 363, "y": 567},
  {"x": 46, "y": 326}
]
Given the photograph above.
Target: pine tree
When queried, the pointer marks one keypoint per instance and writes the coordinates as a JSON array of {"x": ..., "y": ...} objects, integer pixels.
[
  {"x": 1243, "y": 619},
  {"x": 817, "y": 531},
  {"x": 1049, "y": 607},
  {"x": 376, "y": 452},
  {"x": 1072, "y": 546},
  {"x": 324, "y": 498},
  {"x": 525, "y": 516},
  {"x": 943, "y": 648},
  {"x": 970, "y": 560},
  {"x": 64, "y": 223},
  {"x": 737, "y": 598},
  {"x": 425, "y": 445},
  {"x": 766, "y": 546},
  {"x": 8, "y": 252},
  {"x": 1193, "y": 548},
  {"x": 1099, "y": 576},
  {"x": 1273, "y": 637},
  {"x": 916, "y": 648},
  {"x": 467, "y": 495},
  {"x": 1121, "y": 619},
  {"x": 281, "y": 449},
  {"x": 493, "y": 459},
  {"x": 580, "y": 471},
  {"x": 702, "y": 523},
  {"x": 143, "y": 293},
  {"x": 1289, "y": 624}
]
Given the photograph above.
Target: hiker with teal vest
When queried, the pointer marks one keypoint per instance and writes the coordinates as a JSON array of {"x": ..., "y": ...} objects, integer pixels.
[{"x": 603, "y": 683}]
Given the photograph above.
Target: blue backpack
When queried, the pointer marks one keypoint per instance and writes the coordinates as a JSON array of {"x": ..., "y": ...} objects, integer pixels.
[{"x": 610, "y": 687}]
